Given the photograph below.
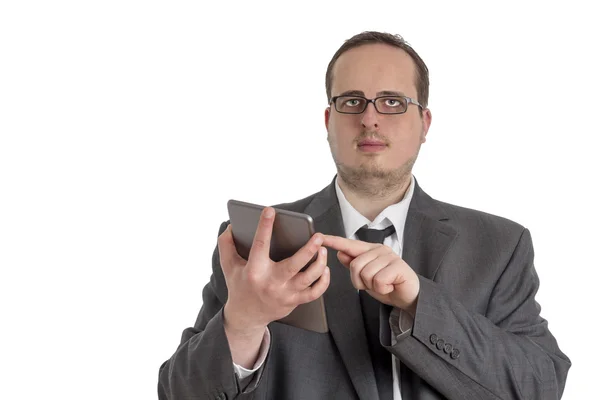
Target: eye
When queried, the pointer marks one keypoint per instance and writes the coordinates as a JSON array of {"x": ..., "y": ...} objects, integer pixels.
[
  {"x": 352, "y": 102},
  {"x": 392, "y": 102}
]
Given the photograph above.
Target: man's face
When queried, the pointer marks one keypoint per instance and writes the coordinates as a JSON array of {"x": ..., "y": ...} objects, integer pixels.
[{"x": 375, "y": 70}]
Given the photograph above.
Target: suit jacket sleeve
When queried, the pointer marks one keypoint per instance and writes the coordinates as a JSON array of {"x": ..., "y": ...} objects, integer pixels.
[
  {"x": 507, "y": 354},
  {"x": 202, "y": 366}
]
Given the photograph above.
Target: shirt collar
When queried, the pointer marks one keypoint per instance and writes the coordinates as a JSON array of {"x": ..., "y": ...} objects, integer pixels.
[{"x": 394, "y": 214}]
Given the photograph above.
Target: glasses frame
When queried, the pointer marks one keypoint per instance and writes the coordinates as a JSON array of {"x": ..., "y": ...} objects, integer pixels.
[{"x": 409, "y": 100}]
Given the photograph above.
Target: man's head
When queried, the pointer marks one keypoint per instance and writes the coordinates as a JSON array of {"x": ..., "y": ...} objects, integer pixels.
[{"x": 370, "y": 65}]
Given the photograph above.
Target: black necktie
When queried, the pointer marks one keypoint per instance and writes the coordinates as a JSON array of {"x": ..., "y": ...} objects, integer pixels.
[{"x": 382, "y": 359}]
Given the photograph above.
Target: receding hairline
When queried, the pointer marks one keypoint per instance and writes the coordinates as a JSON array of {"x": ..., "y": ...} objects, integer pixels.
[{"x": 377, "y": 44}]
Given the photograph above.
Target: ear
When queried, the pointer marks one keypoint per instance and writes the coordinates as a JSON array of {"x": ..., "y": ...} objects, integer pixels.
[
  {"x": 327, "y": 115},
  {"x": 426, "y": 122}
]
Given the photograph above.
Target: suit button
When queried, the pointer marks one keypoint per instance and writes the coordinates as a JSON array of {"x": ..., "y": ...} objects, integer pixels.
[
  {"x": 448, "y": 348},
  {"x": 440, "y": 344},
  {"x": 222, "y": 396},
  {"x": 455, "y": 353},
  {"x": 433, "y": 338}
]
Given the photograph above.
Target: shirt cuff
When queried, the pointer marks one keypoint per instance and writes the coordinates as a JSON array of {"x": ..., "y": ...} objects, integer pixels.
[
  {"x": 406, "y": 321},
  {"x": 242, "y": 372},
  {"x": 401, "y": 324}
]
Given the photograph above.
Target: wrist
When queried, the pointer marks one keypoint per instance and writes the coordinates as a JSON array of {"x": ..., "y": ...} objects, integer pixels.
[{"x": 239, "y": 325}]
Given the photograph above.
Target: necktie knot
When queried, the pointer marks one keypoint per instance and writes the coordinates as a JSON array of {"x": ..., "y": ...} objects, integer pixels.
[{"x": 374, "y": 235}]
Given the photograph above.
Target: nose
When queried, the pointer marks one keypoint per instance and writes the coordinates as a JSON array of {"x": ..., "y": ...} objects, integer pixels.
[{"x": 369, "y": 118}]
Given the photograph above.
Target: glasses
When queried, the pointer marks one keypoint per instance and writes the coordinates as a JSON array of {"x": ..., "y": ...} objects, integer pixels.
[{"x": 383, "y": 104}]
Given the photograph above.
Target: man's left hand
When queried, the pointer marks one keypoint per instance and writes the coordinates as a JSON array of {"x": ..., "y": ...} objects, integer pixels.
[{"x": 378, "y": 270}]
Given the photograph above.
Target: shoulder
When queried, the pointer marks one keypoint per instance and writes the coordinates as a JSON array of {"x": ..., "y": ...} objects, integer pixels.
[{"x": 478, "y": 226}]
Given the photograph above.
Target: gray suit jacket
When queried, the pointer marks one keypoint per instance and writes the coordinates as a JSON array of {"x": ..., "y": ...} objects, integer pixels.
[{"x": 477, "y": 332}]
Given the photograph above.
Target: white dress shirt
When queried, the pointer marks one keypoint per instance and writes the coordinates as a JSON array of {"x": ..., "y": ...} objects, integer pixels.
[{"x": 353, "y": 220}]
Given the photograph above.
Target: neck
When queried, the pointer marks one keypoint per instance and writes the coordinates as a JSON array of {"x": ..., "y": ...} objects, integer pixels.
[{"x": 372, "y": 202}]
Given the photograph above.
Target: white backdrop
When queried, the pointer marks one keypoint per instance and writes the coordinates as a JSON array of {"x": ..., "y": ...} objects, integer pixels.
[{"x": 125, "y": 126}]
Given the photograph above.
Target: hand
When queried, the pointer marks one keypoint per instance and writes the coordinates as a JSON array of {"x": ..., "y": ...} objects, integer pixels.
[
  {"x": 378, "y": 270},
  {"x": 262, "y": 291}
]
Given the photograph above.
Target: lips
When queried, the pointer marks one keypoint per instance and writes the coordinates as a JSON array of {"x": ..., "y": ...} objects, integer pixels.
[
  {"x": 371, "y": 146},
  {"x": 370, "y": 142}
]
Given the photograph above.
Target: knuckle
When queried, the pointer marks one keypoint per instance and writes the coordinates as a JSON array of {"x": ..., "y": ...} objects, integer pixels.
[
  {"x": 321, "y": 289},
  {"x": 290, "y": 268},
  {"x": 265, "y": 222},
  {"x": 253, "y": 278},
  {"x": 354, "y": 265},
  {"x": 307, "y": 280},
  {"x": 365, "y": 276},
  {"x": 259, "y": 243},
  {"x": 310, "y": 296},
  {"x": 303, "y": 281},
  {"x": 311, "y": 249},
  {"x": 378, "y": 281}
]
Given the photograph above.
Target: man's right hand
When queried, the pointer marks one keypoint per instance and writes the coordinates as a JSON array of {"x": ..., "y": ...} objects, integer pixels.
[{"x": 261, "y": 290}]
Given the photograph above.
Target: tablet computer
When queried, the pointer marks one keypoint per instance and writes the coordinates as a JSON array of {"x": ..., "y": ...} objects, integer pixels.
[{"x": 291, "y": 231}]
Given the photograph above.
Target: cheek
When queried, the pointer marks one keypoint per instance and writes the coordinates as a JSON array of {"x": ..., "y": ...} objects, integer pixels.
[
  {"x": 407, "y": 139},
  {"x": 341, "y": 133},
  {"x": 407, "y": 144},
  {"x": 409, "y": 132}
]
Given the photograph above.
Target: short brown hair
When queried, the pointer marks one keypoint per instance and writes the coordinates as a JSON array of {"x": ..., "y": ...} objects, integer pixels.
[{"x": 422, "y": 73}]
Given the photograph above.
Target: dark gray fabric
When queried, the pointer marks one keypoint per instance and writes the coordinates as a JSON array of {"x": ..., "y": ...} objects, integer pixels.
[{"x": 477, "y": 333}]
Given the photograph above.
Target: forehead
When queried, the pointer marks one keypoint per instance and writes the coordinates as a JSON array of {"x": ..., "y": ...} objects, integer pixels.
[{"x": 373, "y": 68}]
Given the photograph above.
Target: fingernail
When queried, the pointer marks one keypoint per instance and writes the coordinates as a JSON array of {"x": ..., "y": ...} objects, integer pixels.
[
  {"x": 323, "y": 251},
  {"x": 269, "y": 213},
  {"x": 319, "y": 240}
]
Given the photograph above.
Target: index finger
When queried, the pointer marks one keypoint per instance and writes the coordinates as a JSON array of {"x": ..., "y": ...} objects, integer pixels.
[
  {"x": 353, "y": 248},
  {"x": 262, "y": 236}
]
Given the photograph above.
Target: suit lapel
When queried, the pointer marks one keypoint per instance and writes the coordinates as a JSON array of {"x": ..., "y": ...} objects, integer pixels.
[{"x": 426, "y": 241}]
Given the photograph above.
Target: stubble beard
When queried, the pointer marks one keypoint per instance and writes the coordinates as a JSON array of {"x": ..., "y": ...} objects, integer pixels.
[{"x": 372, "y": 181}]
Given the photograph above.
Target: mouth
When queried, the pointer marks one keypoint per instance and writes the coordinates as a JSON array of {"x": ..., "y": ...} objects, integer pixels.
[{"x": 370, "y": 146}]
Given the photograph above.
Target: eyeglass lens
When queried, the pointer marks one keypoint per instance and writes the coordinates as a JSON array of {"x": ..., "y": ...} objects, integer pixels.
[{"x": 384, "y": 105}]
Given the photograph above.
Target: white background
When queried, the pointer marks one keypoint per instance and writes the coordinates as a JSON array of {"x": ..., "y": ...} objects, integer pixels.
[{"x": 125, "y": 126}]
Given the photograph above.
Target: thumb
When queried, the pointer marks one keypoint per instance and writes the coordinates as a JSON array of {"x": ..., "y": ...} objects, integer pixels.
[{"x": 228, "y": 254}]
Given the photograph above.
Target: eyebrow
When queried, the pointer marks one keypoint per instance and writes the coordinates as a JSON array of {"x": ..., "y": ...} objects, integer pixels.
[{"x": 361, "y": 93}]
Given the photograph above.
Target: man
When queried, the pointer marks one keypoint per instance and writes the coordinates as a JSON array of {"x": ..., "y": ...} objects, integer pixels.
[{"x": 455, "y": 315}]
